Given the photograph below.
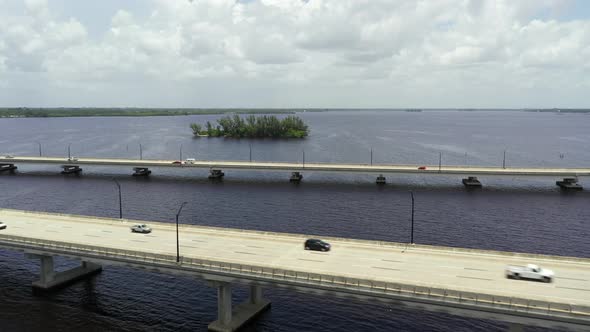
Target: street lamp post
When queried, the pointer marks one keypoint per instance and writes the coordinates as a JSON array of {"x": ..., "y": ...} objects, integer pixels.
[
  {"x": 140, "y": 152},
  {"x": 40, "y": 154},
  {"x": 180, "y": 152},
  {"x": 439, "y": 161},
  {"x": 250, "y": 152},
  {"x": 504, "y": 160},
  {"x": 177, "y": 242},
  {"x": 120, "y": 201},
  {"x": 371, "y": 156},
  {"x": 303, "y": 158},
  {"x": 69, "y": 154},
  {"x": 412, "y": 229}
]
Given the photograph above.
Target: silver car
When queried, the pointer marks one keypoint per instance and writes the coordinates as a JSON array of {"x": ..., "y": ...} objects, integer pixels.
[{"x": 141, "y": 228}]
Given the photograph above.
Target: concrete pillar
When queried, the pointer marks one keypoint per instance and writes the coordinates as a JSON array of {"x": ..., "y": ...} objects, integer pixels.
[
  {"x": 255, "y": 294},
  {"x": 47, "y": 273},
  {"x": 224, "y": 308},
  {"x": 231, "y": 319},
  {"x": 515, "y": 327},
  {"x": 49, "y": 278}
]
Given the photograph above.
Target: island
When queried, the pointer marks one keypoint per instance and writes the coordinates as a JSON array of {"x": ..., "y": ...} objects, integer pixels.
[{"x": 253, "y": 127}]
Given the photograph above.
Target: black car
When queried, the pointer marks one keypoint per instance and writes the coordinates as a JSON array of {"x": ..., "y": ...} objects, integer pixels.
[{"x": 318, "y": 245}]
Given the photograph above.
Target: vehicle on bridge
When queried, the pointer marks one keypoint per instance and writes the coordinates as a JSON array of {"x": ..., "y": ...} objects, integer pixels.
[
  {"x": 177, "y": 162},
  {"x": 531, "y": 272},
  {"x": 317, "y": 245},
  {"x": 2, "y": 225},
  {"x": 190, "y": 160},
  {"x": 141, "y": 228}
]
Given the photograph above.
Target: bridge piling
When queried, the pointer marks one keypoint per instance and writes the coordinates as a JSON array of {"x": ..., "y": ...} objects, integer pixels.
[
  {"x": 569, "y": 184},
  {"x": 471, "y": 182},
  {"x": 380, "y": 179},
  {"x": 296, "y": 177},
  {"x": 216, "y": 174},
  {"x": 50, "y": 279},
  {"x": 231, "y": 319},
  {"x": 8, "y": 167},
  {"x": 141, "y": 171},
  {"x": 71, "y": 169}
]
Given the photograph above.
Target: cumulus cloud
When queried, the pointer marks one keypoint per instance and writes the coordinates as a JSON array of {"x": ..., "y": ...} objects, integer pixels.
[{"x": 376, "y": 53}]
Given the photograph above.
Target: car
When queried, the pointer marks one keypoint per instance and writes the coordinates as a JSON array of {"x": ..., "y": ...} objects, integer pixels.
[
  {"x": 73, "y": 159},
  {"x": 8, "y": 156},
  {"x": 190, "y": 160},
  {"x": 317, "y": 245},
  {"x": 177, "y": 162},
  {"x": 530, "y": 271},
  {"x": 422, "y": 167},
  {"x": 2, "y": 225},
  {"x": 141, "y": 228}
]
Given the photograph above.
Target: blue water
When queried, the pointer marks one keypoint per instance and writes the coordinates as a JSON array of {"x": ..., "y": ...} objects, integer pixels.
[{"x": 515, "y": 214}]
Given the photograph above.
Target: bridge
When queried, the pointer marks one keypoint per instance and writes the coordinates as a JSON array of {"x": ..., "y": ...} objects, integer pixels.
[
  {"x": 141, "y": 168},
  {"x": 457, "y": 281}
]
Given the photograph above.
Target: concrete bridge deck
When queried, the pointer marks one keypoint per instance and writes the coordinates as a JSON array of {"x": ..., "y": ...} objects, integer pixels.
[
  {"x": 316, "y": 167},
  {"x": 463, "y": 279}
]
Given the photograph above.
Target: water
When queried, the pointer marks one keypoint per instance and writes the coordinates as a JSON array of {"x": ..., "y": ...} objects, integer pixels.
[{"x": 515, "y": 214}]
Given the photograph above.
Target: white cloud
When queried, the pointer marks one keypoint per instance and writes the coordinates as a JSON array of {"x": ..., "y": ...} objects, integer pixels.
[{"x": 384, "y": 53}]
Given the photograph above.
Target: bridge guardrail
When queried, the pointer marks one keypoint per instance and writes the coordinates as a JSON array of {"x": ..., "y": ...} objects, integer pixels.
[{"x": 368, "y": 286}]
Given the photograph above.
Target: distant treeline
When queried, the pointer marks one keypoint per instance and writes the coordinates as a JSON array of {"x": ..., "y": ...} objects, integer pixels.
[
  {"x": 25, "y": 112},
  {"x": 253, "y": 127}
]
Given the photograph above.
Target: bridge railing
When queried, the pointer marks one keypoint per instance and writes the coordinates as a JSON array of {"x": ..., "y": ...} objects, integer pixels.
[{"x": 364, "y": 286}]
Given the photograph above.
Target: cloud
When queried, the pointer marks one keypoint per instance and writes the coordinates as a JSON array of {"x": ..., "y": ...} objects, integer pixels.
[{"x": 304, "y": 51}]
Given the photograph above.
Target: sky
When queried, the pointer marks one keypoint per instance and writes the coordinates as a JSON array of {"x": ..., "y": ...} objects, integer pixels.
[{"x": 295, "y": 53}]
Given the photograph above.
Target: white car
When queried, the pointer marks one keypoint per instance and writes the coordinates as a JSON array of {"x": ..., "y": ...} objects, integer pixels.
[
  {"x": 190, "y": 160},
  {"x": 531, "y": 272},
  {"x": 8, "y": 156},
  {"x": 2, "y": 225},
  {"x": 140, "y": 228}
]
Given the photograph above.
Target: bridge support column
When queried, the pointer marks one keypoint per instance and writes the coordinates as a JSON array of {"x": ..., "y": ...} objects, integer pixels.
[
  {"x": 216, "y": 174},
  {"x": 380, "y": 179},
  {"x": 50, "y": 279},
  {"x": 471, "y": 182},
  {"x": 231, "y": 319},
  {"x": 569, "y": 184},
  {"x": 7, "y": 167},
  {"x": 296, "y": 177},
  {"x": 515, "y": 327},
  {"x": 71, "y": 169},
  {"x": 141, "y": 171}
]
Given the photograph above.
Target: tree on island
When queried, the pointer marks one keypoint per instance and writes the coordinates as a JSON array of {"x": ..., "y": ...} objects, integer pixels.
[{"x": 254, "y": 127}]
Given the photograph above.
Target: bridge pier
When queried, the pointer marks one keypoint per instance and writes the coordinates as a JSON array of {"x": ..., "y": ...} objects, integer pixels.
[
  {"x": 231, "y": 319},
  {"x": 216, "y": 174},
  {"x": 380, "y": 179},
  {"x": 569, "y": 184},
  {"x": 296, "y": 177},
  {"x": 141, "y": 171},
  {"x": 515, "y": 327},
  {"x": 8, "y": 167},
  {"x": 471, "y": 182},
  {"x": 51, "y": 279},
  {"x": 71, "y": 169}
]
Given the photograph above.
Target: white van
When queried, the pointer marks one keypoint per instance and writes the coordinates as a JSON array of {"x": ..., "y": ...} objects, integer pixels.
[{"x": 190, "y": 160}]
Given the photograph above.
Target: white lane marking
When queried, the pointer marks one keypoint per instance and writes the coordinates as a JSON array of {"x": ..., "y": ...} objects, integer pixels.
[
  {"x": 474, "y": 278},
  {"x": 384, "y": 268}
]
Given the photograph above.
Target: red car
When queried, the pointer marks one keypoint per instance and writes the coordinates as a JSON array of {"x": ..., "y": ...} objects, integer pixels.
[
  {"x": 422, "y": 167},
  {"x": 177, "y": 162}
]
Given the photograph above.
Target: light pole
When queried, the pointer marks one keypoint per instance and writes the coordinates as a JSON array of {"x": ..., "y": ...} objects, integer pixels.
[
  {"x": 412, "y": 229},
  {"x": 40, "y": 154},
  {"x": 120, "y": 201},
  {"x": 439, "y": 161},
  {"x": 180, "y": 152},
  {"x": 140, "y": 152},
  {"x": 69, "y": 154},
  {"x": 250, "y": 152},
  {"x": 177, "y": 242},
  {"x": 371, "y": 156},
  {"x": 504, "y": 160},
  {"x": 303, "y": 158}
]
